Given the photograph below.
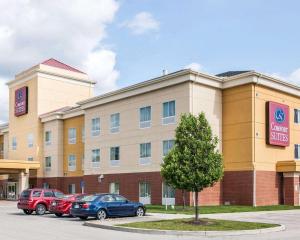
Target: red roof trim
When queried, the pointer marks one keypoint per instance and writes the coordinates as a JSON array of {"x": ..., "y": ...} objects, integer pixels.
[{"x": 54, "y": 63}]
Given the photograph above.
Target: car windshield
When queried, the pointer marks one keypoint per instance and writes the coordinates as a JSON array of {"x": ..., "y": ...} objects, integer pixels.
[
  {"x": 89, "y": 198},
  {"x": 67, "y": 196},
  {"x": 58, "y": 194},
  {"x": 25, "y": 194}
]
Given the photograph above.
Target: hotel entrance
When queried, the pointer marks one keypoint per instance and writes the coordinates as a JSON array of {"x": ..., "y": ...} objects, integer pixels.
[{"x": 11, "y": 191}]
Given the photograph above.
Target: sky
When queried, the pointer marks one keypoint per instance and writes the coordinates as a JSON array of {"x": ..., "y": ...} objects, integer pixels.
[{"x": 119, "y": 43}]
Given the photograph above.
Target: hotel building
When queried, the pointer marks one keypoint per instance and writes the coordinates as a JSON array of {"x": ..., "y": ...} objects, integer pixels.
[{"x": 61, "y": 136}]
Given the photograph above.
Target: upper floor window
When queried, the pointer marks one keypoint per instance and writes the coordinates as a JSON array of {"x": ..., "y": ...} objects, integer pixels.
[
  {"x": 30, "y": 140},
  {"x": 145, "y": 117},
  {"x": 145, "y": 153},
  {"x": 30, "y": 159},
  {"x": 115, "y": 122},
  {"x": 95, "y": 127},
  {"x": 297, "y": 115},
  {"x": 14, "y": 143},
  {"x": 297, "y": 151},
  {"x": 114, "y": 156},
  {"x": 167, "y": 146},
  {"x": 72, "y": 162},
  {"x": 48, "y": 163},
  {"x": 72, "y": 135},
  {"x": 96, "y": 158},
  {"x": 82, "y": 162},
  {"x": 48, "y": 137},
  {"x": 169, "y": 112}
]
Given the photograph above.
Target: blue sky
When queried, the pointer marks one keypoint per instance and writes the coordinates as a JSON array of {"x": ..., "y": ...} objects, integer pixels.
[{"x": 119, "y": 43}]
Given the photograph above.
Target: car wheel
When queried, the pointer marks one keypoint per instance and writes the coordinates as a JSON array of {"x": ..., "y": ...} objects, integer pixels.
[
  {"x": 140, "y": 212},
  {"x": 58, "y": 214},
  {"x": 40, "y": 209},
  {"x": 83, "y": 218},
  {"x": 27, "y": 212},
  {"x": 101, "y": 214}
]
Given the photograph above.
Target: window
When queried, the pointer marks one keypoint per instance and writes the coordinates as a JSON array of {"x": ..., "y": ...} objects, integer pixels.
[
  {"x": 145, "y": 153},
  {"x": 120, "y": 198},
  {"x": 14, "y": 143},
  {"x": 37, "y": 193},
  {"x": 114, "y": 156},
  {"x": 167, "y": 146},
  {"x": 46, "y": 185},
  {"x": 83, "y": 134},
  {"x": 169, "y": 112},
  {"x": 297, "y": 151},
  {"x": 72, "y": 135},
  {"x": 48, "y": 194},
  {"x": 48, "y": 137},
  {"x": 297, "y": 115},
  {"x": 115, "y": 123},
  {"x": 144, "y": 190},
  {"x": 71, "y": 162},
  {"x": 145, "y": 117},
  {"x": 72, "y": 188},
  {"x": 95, "y": 127},
  {"x": 48, "y": 163},
  {"x": 82, "y": 162},
  {"x": 30, "y": 159},
  {"x": 108, "y": 198},
  {"x": 168, "y": 191},
  {"x": 30, "y": 140},
  {"x": 114, "y": 188},
  {"x": 96, "y": 158}
]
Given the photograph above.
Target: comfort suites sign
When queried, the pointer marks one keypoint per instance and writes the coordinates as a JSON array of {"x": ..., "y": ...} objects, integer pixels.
[
  {"x": 21, "y": 101},
  {"x": 278, "y": 124}
]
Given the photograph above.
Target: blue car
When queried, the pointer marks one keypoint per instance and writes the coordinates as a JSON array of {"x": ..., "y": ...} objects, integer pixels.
[{"x": 102, "y": 206}]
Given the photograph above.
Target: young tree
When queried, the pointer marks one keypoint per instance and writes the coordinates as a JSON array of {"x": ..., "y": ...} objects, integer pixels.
[{"x": 194, "y": 162}]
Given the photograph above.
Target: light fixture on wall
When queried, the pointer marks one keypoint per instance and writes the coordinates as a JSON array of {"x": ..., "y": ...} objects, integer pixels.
[{"x": 100, "y": 178}]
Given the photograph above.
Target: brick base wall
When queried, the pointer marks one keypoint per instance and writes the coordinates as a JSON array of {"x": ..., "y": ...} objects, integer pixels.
[{"x": 291, "y": 190}]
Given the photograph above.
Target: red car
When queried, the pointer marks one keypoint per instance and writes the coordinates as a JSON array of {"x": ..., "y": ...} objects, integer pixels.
[
  {"x": 62, "y": 205},
  {"x": 37, "y": 200}
]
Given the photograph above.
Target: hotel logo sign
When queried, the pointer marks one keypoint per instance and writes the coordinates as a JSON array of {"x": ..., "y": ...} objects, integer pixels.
[
  {"x": 21, "y": 101},
  {"x": 278, "y": 126}
]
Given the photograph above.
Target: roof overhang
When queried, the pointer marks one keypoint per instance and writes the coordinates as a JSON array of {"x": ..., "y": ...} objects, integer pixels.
[
  {"x": 288, "y": 166},
  {"x": 6, "y": 164}
]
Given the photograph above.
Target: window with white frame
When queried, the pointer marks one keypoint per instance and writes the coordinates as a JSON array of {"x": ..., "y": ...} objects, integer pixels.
[
  {"x": 72, "y": 188},
  {"x": 168, "y": 191},
  {"x": 14, "y": 143},
  {"x": 96, "y": 158},
  {"x": 48, "y": 163},
  {"x": 48, "y": 137},
  {"x": 72, "y": 135},
  {"x": 297, "y": 151},
  {"x": 145, "y": 117},
  {"x": 83, "y": 134},
  {"x": 168, "y": 112},
  {"x": 30, "y": 159},
  {"x": 167, "y": 146},
  {"x": 144, "y": 190},
  {"x": 296, "y": 115},
  {"x": 95, "y": 127},
  {"x": 30, "y": 140},
  {"x": 46, "y": 185},
  {"x": 71, "y": 162},
  {"x": 145, "y": 153},
  {"x": 114, "y": 156},
  {"x": 115, "y": 122},
  {"x": 114, "y": 188}
]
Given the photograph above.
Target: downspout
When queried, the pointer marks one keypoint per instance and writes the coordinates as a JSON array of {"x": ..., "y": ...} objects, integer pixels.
[{"x": 254, "y": 140}]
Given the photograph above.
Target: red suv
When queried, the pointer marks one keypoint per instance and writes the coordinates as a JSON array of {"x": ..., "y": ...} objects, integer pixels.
[
  {"x": 62, "y": 205},
  {"x": 37, "y": 200}
]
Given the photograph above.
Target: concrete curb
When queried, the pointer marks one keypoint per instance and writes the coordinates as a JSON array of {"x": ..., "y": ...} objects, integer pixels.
[{"x": 186, "y": 233}]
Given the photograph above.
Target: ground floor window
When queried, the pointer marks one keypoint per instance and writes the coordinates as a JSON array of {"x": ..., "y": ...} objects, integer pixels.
[
  {"x": 145, "y": 192},
  {"x": 114, "y": 188},
  {"x": 168, "y": 195},
  {"x": 46, "y": 185},
  {"x": 72, "y": 188},
  {"x": 297, "y": 151}
]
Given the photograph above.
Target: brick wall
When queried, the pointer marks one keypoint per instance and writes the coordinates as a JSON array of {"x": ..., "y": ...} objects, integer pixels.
[{"x": 291, "y": 192}]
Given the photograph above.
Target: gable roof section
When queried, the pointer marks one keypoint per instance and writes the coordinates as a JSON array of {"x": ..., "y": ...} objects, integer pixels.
[{"x": 55, "y": 63}]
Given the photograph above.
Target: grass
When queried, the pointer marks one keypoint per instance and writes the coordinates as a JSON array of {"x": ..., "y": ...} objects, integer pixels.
[
  {"x": 185, "y": 225},
  {"x": 216, "y": 209}
]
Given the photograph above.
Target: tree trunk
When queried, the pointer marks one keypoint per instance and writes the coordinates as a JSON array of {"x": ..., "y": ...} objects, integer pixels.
[
  {"x": 196, "y": 208},
  {"x": 183, "y": 198}
]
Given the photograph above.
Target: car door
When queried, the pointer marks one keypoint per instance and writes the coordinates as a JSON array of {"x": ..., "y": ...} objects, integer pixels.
[
  {"x": 48, "y": 197},
  {"x": 111, "y": 204},
  {"x": 126, "y": 208}
]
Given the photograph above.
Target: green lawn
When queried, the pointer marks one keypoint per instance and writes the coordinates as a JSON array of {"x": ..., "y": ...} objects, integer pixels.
[
  {"x": 185, "y": 225},
  {"x": 217, "y": 209}
]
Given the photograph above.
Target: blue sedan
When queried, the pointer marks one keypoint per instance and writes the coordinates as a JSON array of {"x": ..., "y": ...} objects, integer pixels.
[{"x": 102, "y": 206}]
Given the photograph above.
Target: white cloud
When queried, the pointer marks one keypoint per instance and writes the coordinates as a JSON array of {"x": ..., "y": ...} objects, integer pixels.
[
  {"x": 101, "y": 65},
  {"x": 33, "y": 31},
  {"x": 194, "y": 66},
  {"x": 3, "y": 101},
  {"x": 141, "y": 23},
  {"x": 293, "y": 77}
]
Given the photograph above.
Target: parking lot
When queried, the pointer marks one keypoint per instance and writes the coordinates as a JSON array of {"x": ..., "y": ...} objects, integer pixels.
[{"x": 14, "y": 225}]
